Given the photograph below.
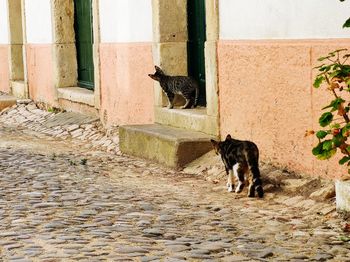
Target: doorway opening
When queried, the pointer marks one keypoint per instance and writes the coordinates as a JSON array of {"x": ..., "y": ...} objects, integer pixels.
[
  {"x": 83, "y": 26},
  {"x": 195, "y": 48}
]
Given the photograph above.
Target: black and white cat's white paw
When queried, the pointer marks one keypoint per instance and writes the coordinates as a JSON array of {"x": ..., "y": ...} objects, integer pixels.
[
  {"x": 229, "y": 187},
  {"x": 239, "y": 187}
]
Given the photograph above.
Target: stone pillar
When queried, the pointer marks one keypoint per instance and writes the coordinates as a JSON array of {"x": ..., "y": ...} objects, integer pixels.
[
  {"x": 211, "y": 63},
  {"x": 16, "y": 49},
  {"x": 64, "y": 51},
  {"x": 170, "y": 40}
]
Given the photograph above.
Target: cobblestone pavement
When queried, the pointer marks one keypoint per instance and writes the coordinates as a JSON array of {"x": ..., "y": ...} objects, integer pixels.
[{"x": 63, "y": 200}]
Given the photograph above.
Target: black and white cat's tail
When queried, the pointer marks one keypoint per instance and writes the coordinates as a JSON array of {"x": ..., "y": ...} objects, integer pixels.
[{"x": 196, "y": 97}]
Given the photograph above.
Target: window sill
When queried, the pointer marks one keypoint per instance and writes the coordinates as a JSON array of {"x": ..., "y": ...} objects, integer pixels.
[{"x": 77, "y": 94}]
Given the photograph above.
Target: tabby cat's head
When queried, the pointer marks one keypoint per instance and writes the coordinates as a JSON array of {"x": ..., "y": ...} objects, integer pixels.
[
  {"x": 158, "y": 74},
  {"x": 218, "y": 146}
]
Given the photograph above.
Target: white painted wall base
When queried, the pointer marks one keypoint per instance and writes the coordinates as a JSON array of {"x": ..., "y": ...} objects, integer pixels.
[{"x": 342, "y": 189}]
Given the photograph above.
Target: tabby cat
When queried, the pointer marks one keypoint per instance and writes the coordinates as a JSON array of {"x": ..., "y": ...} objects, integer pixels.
[
  {"x": 182, "y": 85},
  {"x": 239, "y": 157}
]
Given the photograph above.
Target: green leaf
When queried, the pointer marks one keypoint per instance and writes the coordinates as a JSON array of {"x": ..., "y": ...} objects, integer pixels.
[
  {"x": 337, "y": 51},
  {"x": 319, "y": 66},
  {"x": 327, "y": 154},
  {"x": 325, "y": 68},
  {"x": 338, "y": 140},
  {"x": 344, "y": 160},
  {"x": 321, "y": 134},
  {"x": 323, "y": 58},
  {"x": 333, "y": 74},
  {"x": 335, "y": 104},
  {"x": 317, "y": 149},
  {"x": 327, "y": 145},
  {"x": 318, "y": 81},
  {"x": 325, "y": 119},
  {"x": 347, "y": 23},
  {"x": 348, "y": 82},
  {"x": 336, "y": 125},
  {"x": 345, "y": 129}
]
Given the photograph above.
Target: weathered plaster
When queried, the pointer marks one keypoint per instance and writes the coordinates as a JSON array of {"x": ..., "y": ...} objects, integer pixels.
[
  {"x": 4, "y": 69},
  {"x": 266, "y": 95},
  {"x": 40, "y": 79},
  {"x": 126, "y": 90}
]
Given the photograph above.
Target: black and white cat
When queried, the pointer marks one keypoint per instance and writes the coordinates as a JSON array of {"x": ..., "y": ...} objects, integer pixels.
[
  {"x": 182, "y": 85},
  {"x": 240, "y": 157}
]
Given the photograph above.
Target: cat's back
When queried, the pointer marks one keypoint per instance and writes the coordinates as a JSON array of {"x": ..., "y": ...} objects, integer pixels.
[
  {"x": 180, "y": 82},
  {"x": 241, "y": 145}
]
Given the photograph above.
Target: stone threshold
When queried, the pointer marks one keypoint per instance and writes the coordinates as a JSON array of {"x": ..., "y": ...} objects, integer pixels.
[
  {"x": 77, "y": 94},
  {"x": 190, "y": 119},
  {"x": 7, "y": 101},
  {"x": 167, "y": 145}
]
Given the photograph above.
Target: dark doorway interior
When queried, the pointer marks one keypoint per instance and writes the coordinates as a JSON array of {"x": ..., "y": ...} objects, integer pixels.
[
  {"x": 196, "y": 39},
  {"x": 84, "y": 42}
]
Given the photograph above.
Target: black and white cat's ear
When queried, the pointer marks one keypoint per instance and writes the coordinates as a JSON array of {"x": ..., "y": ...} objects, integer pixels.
[
  {"x": 228, "y": 137},
  {"x": 158, "y": 69},
  {"x": 214, "y": 143}
]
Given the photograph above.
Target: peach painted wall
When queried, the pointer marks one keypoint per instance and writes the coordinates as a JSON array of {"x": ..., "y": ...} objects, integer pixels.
[
  {"x": 39, "y": 67},
  {"x": 266, "y": 95},
  {"x": 4, "y": 69},
  {"x": 126, "y": 91}
]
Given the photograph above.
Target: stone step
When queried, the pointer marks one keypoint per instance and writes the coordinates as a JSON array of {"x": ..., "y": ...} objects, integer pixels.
[
  {"x": 7, "y": 101},
  {"x": 171, "y": 146}
]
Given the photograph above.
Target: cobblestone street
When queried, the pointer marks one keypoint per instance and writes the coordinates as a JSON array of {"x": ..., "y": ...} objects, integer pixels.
[{"x": 62, "y": 200}]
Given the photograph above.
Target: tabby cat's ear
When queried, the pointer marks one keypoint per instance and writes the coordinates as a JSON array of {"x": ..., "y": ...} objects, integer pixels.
[
  {"x": 158, "y": 69},
  {"x": 228, "y": 137}
]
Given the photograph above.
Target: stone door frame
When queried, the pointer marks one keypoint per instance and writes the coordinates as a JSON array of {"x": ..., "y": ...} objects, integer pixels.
[{"x": 170, "y": 52}]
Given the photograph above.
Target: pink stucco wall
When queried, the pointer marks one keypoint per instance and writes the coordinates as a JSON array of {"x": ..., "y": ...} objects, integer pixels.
[
  {"x": 127, "y": 95},
  {"x": 266, "y": 95},
  {"x": 40, "y": 72},
  {"x": 4, "y": 69}
]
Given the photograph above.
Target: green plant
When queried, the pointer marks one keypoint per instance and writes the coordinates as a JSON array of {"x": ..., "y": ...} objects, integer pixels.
[{"x": 335, "y": 73}]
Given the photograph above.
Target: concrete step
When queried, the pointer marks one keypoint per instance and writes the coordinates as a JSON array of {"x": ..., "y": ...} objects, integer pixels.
[
  {"x": 7, "y": 101},
  {"x": 171, "y": 146}
]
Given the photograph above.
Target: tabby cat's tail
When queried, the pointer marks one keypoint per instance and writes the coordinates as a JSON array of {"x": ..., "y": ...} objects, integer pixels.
[{"x": 196, "y": 97}]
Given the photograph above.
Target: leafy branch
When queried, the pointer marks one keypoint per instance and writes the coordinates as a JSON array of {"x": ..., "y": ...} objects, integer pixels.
[{"x": 334, "y": 74}]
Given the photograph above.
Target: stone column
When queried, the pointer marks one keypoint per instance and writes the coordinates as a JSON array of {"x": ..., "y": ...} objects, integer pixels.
[
  {"x": 64, "y": 51},
  {"x": 16, "y": 49},
  {"x": 211, "y": 65},
  {"x": 170, "y": 40}
]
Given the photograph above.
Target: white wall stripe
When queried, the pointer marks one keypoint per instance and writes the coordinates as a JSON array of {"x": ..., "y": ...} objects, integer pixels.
[
  {"x": 38, "y": 21},
  {"x": 126, "y": 21},
  {"x": 283, "y": 19},
  {"x": 4, "y": 33}
]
